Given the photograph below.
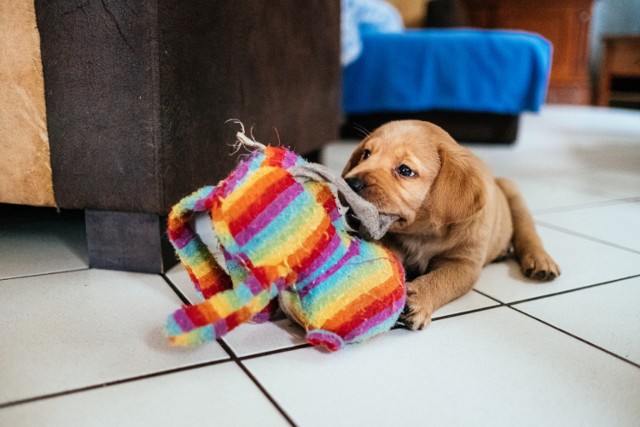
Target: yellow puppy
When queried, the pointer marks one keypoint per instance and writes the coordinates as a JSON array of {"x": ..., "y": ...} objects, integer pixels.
[{"x": 454, "y": 216}]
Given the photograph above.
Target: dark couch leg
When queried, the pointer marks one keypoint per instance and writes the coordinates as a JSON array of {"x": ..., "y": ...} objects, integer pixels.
[{"x": 128, "y": 241}]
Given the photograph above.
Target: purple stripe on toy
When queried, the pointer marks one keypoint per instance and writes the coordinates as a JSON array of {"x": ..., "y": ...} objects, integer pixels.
[
  {"x": 370, "y": 323},
  {"x": 280, "y": 285},
  {"x": 220, "y": 328},
  {"x": 334, "y": 215},
  {"x": 265, "y": 217},
  {"x": 184, "y": 238},
  {"x": 289, "y": 160},
  {"x": 261, "y": 317},
  {"x": 327, "y": 252},
  {"x": 238, "y": 175},
  {"x": 354, "y": 250},
  {"x": 203, "y": 204},
  {"x": 253, "y": 284},
  {"x": 182, "y": 320}
]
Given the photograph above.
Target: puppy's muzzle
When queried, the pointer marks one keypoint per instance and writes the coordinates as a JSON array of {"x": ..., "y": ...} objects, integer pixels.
[
  {"x": 352, "y": 219},
  {"x": 356, "y": 184}
]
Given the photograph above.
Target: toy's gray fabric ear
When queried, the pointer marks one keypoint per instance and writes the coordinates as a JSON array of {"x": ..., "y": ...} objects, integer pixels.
[{"x": 373, "y": 224}]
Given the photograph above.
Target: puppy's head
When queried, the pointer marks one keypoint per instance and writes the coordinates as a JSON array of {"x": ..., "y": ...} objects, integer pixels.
[{"x": 416, "y": 171}]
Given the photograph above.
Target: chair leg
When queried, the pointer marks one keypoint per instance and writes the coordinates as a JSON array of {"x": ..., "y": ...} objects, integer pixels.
[{"x": 128, "y": 241}]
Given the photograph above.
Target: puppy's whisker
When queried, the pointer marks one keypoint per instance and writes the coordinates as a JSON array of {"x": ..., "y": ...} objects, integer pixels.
[{"x": 361, "y": 129}]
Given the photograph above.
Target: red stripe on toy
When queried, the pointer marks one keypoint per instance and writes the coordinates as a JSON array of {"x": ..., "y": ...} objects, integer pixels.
[
  {"x": 327, "y": 199},
  {"x": 315, "y": 245},
  {"x": 198, "y": 317},
  {"x": 382, "y": 297},
  {"x": 393, "y": 309},
  {"x": 181, "y": 236},
  {"x": 216, "y": 280},
  {"x": 274, "y": 156},
  {"x": 261, "y": 195},
  {"x": 238, "y": 317},
  {"x": 270, "y": 212},
  {"x": 318, "y": 261},
  {"x": 352, "y": 251}
]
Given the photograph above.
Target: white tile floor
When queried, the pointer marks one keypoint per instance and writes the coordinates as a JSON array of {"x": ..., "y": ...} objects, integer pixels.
[{"x": 85, "y": 347}]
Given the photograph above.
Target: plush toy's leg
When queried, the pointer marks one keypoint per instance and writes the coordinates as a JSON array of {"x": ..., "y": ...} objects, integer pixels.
[
  {"x": 218, "y": 315},
  {"x": 208, "y": 277},
  {"x": 238, "y": 272},
  {"x": 330, "y": 340},
  {"x": 292, "y": 306},
  {"x": 267, "y": 313}
]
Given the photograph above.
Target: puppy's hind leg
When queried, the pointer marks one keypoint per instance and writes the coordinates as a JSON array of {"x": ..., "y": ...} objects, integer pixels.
[{"x": 535, "y": 262}]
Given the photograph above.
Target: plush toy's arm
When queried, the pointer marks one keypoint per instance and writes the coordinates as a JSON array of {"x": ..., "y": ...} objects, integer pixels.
[
  {"x": 374, "y": 224},
  {"x": 206, "y": 274},
  {"x": 219, "y": 314}
]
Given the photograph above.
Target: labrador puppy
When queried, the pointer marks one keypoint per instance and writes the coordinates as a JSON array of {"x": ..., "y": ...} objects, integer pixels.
[{"x": 453, "y": 216}]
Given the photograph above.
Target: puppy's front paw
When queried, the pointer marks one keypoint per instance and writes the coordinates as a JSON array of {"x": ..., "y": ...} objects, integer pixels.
[
  {"x": 539, "y": 266},
  {"x": 417, "y": 311}
]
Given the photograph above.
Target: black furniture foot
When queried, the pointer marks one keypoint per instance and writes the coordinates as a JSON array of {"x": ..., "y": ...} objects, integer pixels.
[{"x": 128, "y": 241}]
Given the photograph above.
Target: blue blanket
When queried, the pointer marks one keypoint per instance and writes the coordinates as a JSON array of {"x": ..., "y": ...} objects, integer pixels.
[{"x": 491, "y": 71}]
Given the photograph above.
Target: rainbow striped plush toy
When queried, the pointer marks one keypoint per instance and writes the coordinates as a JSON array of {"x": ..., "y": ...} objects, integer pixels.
[{"x": 282, "y": 235}]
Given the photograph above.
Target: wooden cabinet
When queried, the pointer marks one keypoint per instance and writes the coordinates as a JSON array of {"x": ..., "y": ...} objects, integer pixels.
[
  {"x": 564, "y": 23},
  {"x": 621, "y": 58}
]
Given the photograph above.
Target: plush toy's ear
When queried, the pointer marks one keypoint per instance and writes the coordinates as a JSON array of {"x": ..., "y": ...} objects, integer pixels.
[{"x": 457, "y": 192}]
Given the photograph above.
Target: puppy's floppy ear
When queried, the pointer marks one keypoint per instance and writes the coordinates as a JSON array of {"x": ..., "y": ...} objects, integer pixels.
[
  {"x": 457, "y": 192},
  {"x": 355, "y": 159}
]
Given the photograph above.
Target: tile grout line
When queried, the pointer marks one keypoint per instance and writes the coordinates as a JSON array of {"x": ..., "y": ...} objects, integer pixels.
[
  {"x": 232, "y": 358},
  {"x": 28, "y": 276},
  {"x": 116, "y": 382},
  {"x": 112, "y": 383},
  {"x": 568, "y": 291},
  {"x": 255, "y": 381},
  {"x": 448, "y": 316},
  {"x": 475, "y": 310},
  {"x": 235, "y": 358},
  {"x": 585, "y": 236},
  {"x": 489, "y": 296},
  {"x": 238, "y": 360},
  {"x": 585, "y": 206},
  {"x": 176, "y": 290},
  {"x": 272, "y": 352},
  {"x": 575, "y": 337},
  {"x": 511, "y": 306}
]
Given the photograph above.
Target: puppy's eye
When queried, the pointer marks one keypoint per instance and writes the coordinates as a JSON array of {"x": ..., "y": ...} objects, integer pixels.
[
  {"x": 405, "y": 170},
  {"x": 366, "y": 154}
]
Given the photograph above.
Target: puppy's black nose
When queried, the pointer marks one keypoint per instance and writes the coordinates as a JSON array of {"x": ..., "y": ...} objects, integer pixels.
[{"x": 356, "y": 184}]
